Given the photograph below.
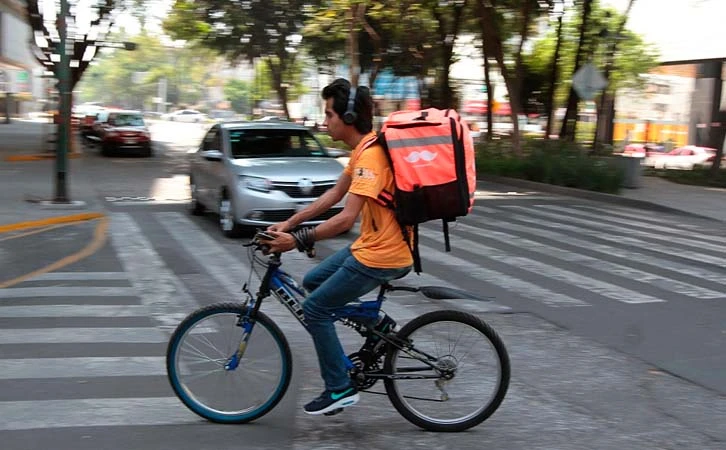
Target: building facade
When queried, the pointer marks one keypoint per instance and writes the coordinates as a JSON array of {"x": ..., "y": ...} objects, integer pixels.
[{"x": 20, "y": 73}]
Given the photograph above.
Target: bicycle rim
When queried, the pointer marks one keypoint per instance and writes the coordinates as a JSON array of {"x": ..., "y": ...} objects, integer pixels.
[
  {"x": 199, "y": 350},
  {"x": 481, "y": 372}
]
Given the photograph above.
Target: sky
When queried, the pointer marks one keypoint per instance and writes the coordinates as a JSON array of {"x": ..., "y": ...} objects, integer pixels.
[{"x": 681, "y": 29}]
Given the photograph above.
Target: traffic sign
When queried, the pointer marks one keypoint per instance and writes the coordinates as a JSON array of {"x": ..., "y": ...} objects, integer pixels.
[{"x": 588, "y": 82}]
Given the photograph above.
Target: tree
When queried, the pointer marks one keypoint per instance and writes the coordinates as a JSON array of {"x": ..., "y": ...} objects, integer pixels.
[
  {"x": 239, "y": 94},
  {"x": 268, "y": 30},
  {"x": 569, "y": 123},
  {"x": 82, "y": 40}
]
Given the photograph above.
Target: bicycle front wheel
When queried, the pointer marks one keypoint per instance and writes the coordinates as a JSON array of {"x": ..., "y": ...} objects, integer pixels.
[
  {"x": 469, "y": 377},
  {"x": 201, "y": 347}
]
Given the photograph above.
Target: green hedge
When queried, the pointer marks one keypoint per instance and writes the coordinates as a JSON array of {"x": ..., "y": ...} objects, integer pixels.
[{"x": 552, "y": 162}]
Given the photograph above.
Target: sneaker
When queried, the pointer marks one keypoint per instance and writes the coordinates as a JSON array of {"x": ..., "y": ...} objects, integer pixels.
[{"x": 330, "y": 401}]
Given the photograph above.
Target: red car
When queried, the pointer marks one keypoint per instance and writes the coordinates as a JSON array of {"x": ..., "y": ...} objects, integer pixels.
[{"x": 122, "y": 132}]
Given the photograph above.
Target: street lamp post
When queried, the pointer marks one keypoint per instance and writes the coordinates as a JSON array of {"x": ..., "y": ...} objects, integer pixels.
[{"x": 64, "y": 113}]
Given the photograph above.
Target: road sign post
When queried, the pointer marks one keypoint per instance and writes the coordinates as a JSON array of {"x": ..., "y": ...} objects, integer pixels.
[{"x": 588, "y": 82}]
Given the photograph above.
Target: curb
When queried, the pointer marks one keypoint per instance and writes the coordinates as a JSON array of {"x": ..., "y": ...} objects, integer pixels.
[
  {"x": 38, "y": 157},
  {"x": 50, "y": 221},
  {"x": 589, "y": 195}
]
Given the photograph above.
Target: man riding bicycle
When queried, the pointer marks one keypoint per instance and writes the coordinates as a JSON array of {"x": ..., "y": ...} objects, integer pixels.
[{"x": 380, "y": 254}]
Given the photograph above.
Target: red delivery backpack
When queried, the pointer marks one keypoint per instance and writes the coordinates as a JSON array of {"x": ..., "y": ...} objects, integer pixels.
[{"x": 432, "y": 157}]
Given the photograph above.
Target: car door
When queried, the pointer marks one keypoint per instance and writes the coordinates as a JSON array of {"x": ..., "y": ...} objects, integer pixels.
[{"x": 206, "y": 169}]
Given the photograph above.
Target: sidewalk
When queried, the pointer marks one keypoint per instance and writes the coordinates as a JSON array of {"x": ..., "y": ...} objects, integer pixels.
[
  {"x": 27, "y": 178},
  {"x": 24, "y": 183}
]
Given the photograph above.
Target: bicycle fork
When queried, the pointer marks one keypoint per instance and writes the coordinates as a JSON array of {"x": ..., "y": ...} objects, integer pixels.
[{"x": 233, "y": 361}]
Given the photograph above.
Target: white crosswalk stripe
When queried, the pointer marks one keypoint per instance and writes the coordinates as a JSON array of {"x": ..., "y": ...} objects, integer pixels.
[
  {"x": 623, "y": 253},
  {"x": 540, "y": 218},
  {"x": 644, "y": 252},
  {"x": 599, "y": 264}
]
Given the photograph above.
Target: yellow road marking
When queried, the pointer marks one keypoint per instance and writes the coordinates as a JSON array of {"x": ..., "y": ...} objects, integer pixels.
[
  {"x": 99, "y": 239},
  {"x": 50, "y": 221},
  {"x": 38, "y": 157},
  {"x": 39, "y": 230}
]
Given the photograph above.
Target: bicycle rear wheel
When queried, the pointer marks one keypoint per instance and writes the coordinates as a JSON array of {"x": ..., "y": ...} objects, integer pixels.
[
  {"x": 475, "y": 364},
  {"x": 200, "y": 348}
]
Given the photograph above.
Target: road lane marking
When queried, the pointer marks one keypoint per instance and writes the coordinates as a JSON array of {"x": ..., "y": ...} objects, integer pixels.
[
  {"x": 82, "y": 367},
  {"x": 50, "y": 221},
  {"x": 73, "y": 311},
  {"x": 136, "y": 335},
  {"x": 81, "y": 276},
  {"x": 608, "y": 250},
  {"x": 602, "y": 288},
  {"x": 667, "y": 230},
  {"x": 619, "y": 238},
  {"x": 606, "y": 267},
  {"x": 68, "y": 291},
  {"x": 525, "y": 289},
  {"x": 95, "y": 412},
  {"x": 166, "y": 296},
  {"x": 98, "y": 241}
]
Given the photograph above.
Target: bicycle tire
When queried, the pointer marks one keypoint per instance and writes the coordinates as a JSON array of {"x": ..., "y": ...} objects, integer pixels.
[
  {"x": 193, "y": 400},
  {"x": 402, "y": 403}
]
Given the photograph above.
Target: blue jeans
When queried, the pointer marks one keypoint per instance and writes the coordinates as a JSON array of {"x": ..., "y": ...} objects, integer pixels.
[{"x": 335, "y": 282}]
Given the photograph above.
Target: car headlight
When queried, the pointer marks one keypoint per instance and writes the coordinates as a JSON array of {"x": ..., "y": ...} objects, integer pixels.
[{"x": 255, "y": 183}]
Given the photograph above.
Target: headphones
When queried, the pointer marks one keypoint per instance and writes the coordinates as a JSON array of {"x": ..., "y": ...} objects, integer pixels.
[{"x": 349, "y": 116}]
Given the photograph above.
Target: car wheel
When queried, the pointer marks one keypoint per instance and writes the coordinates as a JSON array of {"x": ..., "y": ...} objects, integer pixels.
[
  {"x": 227, "y": 220},
  {"x": 105, "y": 149},
  {"x": 148, "y": 152},
  {"x": 195, "y": 207}
]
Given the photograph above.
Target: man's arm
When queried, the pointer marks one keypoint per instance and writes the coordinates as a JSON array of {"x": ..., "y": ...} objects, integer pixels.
[
  {"x": 332, "y": 227},
  {"x": 318, "y": 207}
]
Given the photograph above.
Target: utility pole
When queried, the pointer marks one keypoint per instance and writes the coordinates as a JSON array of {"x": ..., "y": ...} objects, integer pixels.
[{"x": 64, "y": 113}]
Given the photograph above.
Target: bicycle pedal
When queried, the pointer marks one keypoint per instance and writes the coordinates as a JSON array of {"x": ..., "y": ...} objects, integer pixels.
[{"x": 333, "y": 412}]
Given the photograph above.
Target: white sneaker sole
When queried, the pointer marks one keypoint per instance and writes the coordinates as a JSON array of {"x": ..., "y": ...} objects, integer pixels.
[{"x": 342, "y": 403}]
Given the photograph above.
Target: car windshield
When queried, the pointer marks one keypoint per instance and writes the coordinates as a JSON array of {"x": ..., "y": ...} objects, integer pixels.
[
  {"x": 247, "y": 143},
  {"x": 128, "y": 120}
]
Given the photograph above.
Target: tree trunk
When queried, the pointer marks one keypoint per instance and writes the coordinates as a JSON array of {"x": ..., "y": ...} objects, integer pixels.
[
  {"x": 551, "y": 110},
  {"x": 523, "y": 35},
  {"x": 490, "y": 96},
  {"x": 448, "y": 38},
  {"x": 276, "y": 72},
  {"x": 353, "y": 49},
  {"x": 492, "y": 39},
  {"x": 569, "y": 123},
  {"x": 606, "y": 106}
]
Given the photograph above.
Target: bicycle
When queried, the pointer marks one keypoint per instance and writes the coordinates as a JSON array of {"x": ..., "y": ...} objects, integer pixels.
[{"x": 210, "y": 351}]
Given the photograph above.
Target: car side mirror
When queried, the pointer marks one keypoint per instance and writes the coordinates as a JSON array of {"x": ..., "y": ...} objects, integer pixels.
[{"x": 212, "y": 155}]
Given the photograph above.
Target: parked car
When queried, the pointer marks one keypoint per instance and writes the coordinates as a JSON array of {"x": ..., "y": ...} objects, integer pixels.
[
  {"x": 254, "y": 174},
  {"x": 185, "y": 115},
  {"x": 120, "y": 131},
  {"x": 686, "y": 158}
]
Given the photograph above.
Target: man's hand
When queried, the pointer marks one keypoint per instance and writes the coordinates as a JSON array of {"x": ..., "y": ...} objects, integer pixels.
[
  {"x": 282, "y": 242},
  {"x": 280, "y": 226}
]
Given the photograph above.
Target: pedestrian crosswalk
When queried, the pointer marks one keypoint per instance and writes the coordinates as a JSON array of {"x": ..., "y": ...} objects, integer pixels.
[{"x": 549, "y": 255}]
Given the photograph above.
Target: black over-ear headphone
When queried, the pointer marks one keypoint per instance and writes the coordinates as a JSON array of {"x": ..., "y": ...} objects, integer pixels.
[{"x": 349, "y": 116}]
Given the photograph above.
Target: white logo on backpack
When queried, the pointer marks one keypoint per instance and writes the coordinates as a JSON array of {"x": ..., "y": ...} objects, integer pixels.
[{"x": 426, "y": 155}]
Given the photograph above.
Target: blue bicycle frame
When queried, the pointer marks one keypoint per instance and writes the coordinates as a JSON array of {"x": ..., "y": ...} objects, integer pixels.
[{"x": 281, "y": 285}]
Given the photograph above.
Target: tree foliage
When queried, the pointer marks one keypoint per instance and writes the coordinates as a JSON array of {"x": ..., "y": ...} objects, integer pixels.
[{"x": 246, "y": 30}]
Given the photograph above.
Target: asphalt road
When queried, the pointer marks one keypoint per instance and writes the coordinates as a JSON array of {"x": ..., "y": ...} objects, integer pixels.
[{"x": 615, "y": 321}]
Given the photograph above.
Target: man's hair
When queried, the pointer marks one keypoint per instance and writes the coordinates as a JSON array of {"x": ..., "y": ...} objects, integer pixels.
[{"x": 338, "y": 90}]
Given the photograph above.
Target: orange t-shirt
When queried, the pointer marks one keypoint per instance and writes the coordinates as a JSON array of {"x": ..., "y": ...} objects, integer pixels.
[{"x": 380, "y": 244}]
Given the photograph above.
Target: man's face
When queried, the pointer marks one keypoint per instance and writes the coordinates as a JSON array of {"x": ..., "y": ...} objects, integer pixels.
[{"x": 333, "y": 121}]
